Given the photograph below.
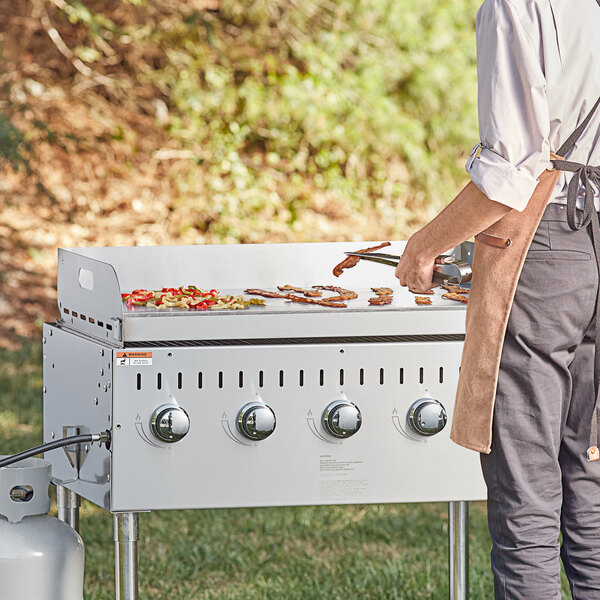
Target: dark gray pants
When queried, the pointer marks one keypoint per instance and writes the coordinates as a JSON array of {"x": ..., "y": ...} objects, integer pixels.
[{"x": 538, "y": 478}]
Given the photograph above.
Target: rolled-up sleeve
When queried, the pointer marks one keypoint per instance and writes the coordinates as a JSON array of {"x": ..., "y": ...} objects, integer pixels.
[{"x": 514, "y": 122}]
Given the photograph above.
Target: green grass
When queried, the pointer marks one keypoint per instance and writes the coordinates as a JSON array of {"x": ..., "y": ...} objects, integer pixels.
[{"x": 366, "y": 552}]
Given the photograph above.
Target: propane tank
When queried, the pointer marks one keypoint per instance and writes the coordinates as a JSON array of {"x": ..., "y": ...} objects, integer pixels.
[{"x": 41, "y": 557}]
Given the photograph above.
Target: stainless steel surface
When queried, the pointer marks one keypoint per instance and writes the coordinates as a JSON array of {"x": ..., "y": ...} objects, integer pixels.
[
  {"x": 99, "y": 312},
  {"x": 256, "y": 421},
  {"x": 341, "y": 419},
  {"x": 67, "y": 506},
  {"x": 427, "y": 416},
  {"x": 126, "y": 557},
  {"x": 458, "y": 544},
  {"x": 170, "y": 423},
  {"x": 75, "y": 394}
]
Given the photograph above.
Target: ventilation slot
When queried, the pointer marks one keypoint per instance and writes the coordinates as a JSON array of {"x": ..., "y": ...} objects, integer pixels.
[
  {"x": 421, "y": 375},
  {"x": 159, "y": 381},
  {"x": 261, "y": 379},
  {"x": 179, "y": 380},
  {"x": 74, "y": 314},
  {"x": 83, "y": 317},
  {"x": 200, "y": 380},
  {"x": 109, "y": 327},
  {"x": 441, "y": 374},
  {"x": 220, "y": 379},
  {"x": 100, "y": 324},
  {"x": 301, "y": 378},
  {"x": 139, "y": 381},
  {"x": 401, "y": 375},
  {"x": 280, "y": 378},
  {"x": 92, "y": 320},
  {"x": 341, "y": 376},
  {"x": 66, "y": 311},
  {"x": 241, "y": 379},
  {"x": 321, "y": 377},
  {"x": 361, "y": 377},
  {"x": 381, "y": 376}
]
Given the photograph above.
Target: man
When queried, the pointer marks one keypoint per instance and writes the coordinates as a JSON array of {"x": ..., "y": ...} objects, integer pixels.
[{"x": 538, "y": 64}]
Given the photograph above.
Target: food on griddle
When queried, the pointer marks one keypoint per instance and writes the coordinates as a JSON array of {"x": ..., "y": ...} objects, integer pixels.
[
  {"x": 265, "y": 293},
  {"x": 383, "y": 291},
  {"x": 428, "y": 292},
  {"x": 313, "y": 293},
  {"x": 188, "y": 298},
  {"x": 456, "y": 297},
  {"x": 331, "y": 302},
  {"x": 455, "y": 289},
  {"x": 290, "y": 288},
  {"x": 380, "y": 300},
  {"x": 346, "y": 294},
  {"x": 422, "y": 300},
  {"x": 352, "y": 261}
]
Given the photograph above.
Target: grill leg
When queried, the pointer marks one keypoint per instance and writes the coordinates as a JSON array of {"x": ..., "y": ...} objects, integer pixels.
[
  {"x": 126, "y": 567},
  {"x": 67, "y": 504},
  {"x": 458, "y": 546}
]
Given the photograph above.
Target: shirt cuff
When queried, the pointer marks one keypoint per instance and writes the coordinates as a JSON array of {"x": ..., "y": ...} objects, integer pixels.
[{"x": 498, "y": 179}]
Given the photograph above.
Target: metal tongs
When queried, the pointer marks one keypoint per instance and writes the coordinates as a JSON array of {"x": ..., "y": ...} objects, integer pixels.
[{"x": 456, "y": 272}]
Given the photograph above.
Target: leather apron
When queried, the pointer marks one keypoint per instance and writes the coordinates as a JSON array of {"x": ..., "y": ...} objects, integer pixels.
[{"x": 498, "y": 259}]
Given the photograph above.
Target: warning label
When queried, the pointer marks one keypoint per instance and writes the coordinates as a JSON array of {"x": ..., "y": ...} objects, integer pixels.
[{"x": 134, "y": 359}]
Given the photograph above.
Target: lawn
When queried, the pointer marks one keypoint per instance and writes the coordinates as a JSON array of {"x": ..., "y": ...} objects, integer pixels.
[{"x": 371, "y": 552}]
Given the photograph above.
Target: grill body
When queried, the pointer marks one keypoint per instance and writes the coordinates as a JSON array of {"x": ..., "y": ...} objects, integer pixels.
[{"x": 300, "y": 463}]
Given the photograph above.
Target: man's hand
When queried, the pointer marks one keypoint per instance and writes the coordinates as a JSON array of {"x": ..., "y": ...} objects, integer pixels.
[{"x": 415, "y": 268}]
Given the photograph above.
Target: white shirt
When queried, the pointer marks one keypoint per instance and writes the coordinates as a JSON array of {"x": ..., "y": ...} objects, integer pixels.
[{"x": 538, "y": 69}]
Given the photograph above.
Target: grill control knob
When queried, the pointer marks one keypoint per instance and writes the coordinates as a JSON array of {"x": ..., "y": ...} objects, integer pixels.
[
  {"x": 256, "y": 421},
  {"x": 427, "y": 416},
  {"x": 342, "y": 419},
  {"x": 170, "y": 423}
]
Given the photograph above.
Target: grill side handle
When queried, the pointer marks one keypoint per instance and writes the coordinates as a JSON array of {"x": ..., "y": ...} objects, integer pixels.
[{"x": 89, "y": 296}]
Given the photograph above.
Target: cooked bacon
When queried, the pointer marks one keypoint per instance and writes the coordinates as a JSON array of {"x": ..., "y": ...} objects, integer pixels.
[
  {"x": 428, "y": 292},
  {"x": 345, "y": 294},
  {"x": 383, "y": 291},
  {"x": 380, "y": 300},
  {"x": 313, "y": 293},
  {"x": 455, "y": 289},
  {"x": 329, "y": 302},
  {"x": 456, "y": 297},
  {"x": 265, "y": 293},
  {"x": 352, "y": 261},
  {"x": 422, "y": 300},
  {"x": 290, "y": 288}
]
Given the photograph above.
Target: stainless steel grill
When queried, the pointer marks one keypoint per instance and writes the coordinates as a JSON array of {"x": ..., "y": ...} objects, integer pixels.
[{"x": 285, "y": 404}]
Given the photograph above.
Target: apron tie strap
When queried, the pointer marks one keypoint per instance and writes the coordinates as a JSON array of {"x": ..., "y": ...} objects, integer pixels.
[{"x": 589, "y": 178}]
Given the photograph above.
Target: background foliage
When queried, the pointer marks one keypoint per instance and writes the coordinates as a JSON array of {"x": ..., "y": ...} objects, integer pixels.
[{"x": 152, "y": 122}]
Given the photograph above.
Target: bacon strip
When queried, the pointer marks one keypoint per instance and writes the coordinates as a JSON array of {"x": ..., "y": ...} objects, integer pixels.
[
  {"x": 455, "y": 289},
  {"x": 265, "y": 293},
  {"x": 422, "y": 300},
  {"x": 290, "y": 288},
  {"x": 380, "y": 300},
  {"x": 383, "y": 291},
  {"x": 345, "y": 294},
  {"x": 428, "y": 292},
  {"x": 351, "y": 261},
  {"x": 456, "y": 297}
]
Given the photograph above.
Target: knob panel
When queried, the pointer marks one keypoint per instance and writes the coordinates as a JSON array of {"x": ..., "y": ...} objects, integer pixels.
[
  {"x": 427, "y": 416},
  {"x": 342, "y": 419},
  {"x": 256, "y": 421},
  {"x": 170, "y": 423}
]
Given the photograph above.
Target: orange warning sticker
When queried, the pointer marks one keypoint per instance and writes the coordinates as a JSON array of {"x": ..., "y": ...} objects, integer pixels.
[{"x": 134, "y": 359}]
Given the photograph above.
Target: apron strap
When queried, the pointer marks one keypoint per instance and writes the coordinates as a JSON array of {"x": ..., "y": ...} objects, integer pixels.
[
  {"x": 589, "y": 178},
  {"x": 570, "y": 141}
]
